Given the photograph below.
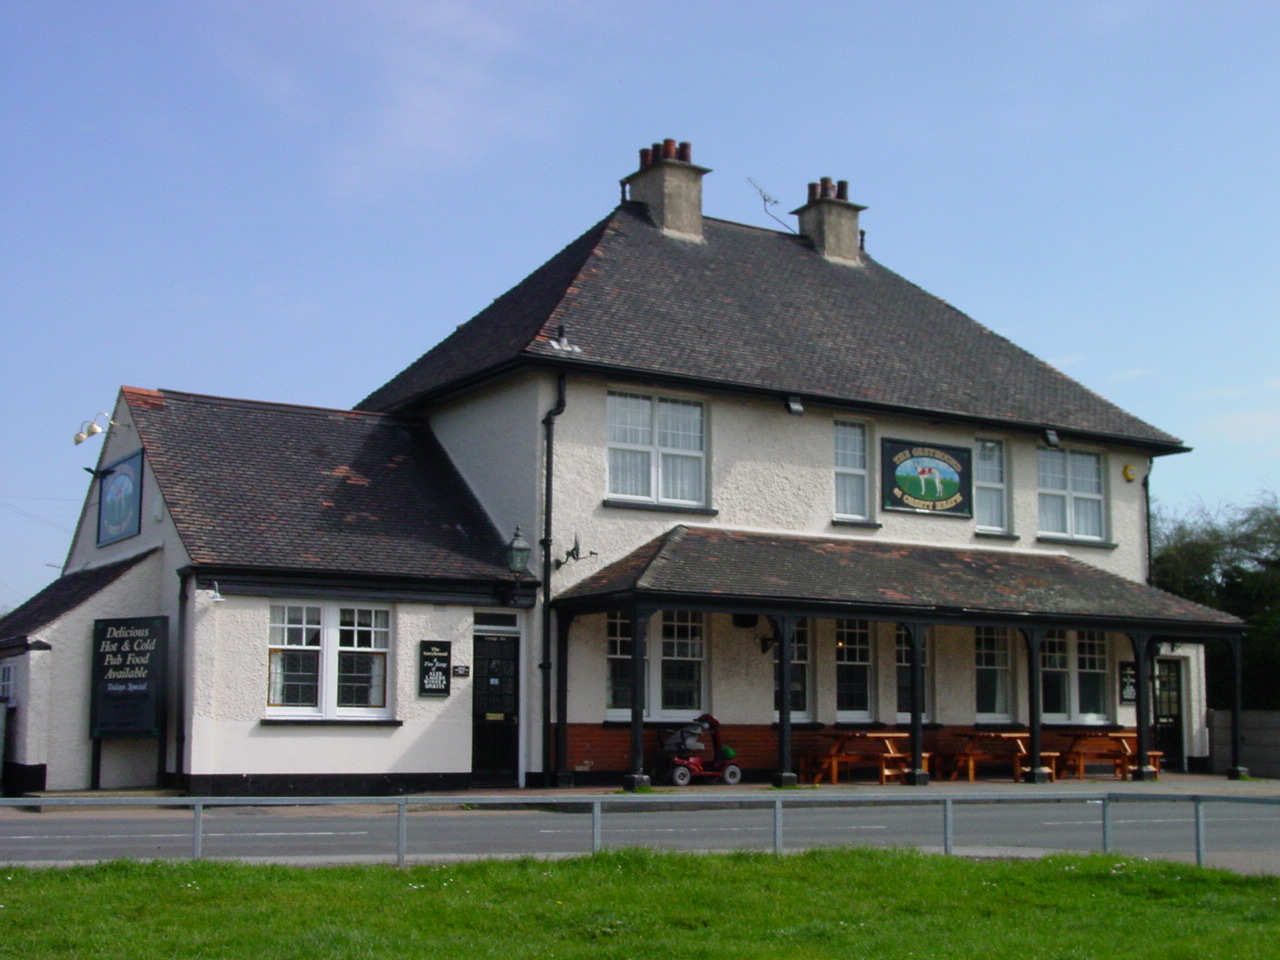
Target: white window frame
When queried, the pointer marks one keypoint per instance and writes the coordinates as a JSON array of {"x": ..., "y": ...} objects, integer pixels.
[
  {"x": 326, "y": 629},
  {"x": 993, "y": 656},
  {"x": 645, "y": 437},
  {"x": 902, "y": 676},
  {"x": 682, "y": 638},
  {"x": 9, "y": 683},
  {"x": 855, "y": 653},
  {"x": 990, "y": 476},
  {"x": 852, "y": 469},
  {"x": 1077, "y": 656},
  {"x": 801, "y": 671},
  {"x": 1062, "y": 480}
]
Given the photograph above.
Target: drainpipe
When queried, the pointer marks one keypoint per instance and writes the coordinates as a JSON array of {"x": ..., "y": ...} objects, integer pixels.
[
  {"x": 180, "y": 684},
  {"x": 549, "y": 445}
]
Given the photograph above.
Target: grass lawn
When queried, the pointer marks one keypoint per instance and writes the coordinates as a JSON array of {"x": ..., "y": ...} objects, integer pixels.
[{"x": 831, "y": 903}]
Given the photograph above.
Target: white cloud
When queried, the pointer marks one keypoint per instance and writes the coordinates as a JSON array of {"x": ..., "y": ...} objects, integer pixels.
[{"x": 391, "y": 86}]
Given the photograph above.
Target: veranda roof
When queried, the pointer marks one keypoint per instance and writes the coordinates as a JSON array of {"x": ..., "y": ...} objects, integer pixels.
[{"x": 716, "y": 568}]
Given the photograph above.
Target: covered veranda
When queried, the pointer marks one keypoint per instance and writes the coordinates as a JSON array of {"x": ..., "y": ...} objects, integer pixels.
[{"x": 785, "y": 579}]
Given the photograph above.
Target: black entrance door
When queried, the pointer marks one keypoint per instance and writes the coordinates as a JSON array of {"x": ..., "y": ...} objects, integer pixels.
[
  {"x": 494, "y": 727},
  {"x": 1167, "y": 700}
]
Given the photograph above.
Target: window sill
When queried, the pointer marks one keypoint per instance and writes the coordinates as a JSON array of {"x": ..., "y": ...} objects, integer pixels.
[
  {"x": 996, "y": 535},
  {"x": 328, "y": 722},
  {"x": 659, "y": 507},
  {"x": 862, "y": 524},
  {"x": 1074, "y": 542}
]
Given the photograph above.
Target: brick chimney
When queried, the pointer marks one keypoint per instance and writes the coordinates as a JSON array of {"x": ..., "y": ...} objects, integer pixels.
[
  {"x": 671, "y": 186},
  {"x": 830, "y": 221}
]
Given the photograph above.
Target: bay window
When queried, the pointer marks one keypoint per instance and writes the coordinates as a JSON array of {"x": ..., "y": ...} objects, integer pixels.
[
  {"x": 328, "y": 661},
  {"x": 656, "y": 449}
]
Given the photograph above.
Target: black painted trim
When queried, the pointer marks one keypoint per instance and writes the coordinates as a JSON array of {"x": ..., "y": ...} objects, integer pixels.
[
  {"x": 1072, "y": 542},
  {"x": 326, "y": 722},
  {"x": 323, "y": 784},
  {"x": 861, "y": 524},
  {"x": 992, "y": 535},
  {"x": 23, "y": 778}
]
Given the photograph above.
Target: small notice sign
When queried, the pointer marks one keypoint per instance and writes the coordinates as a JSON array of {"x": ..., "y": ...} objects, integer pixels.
[
  {"x": 434, "y": 667},
  {"x": 127, "y": 677}
]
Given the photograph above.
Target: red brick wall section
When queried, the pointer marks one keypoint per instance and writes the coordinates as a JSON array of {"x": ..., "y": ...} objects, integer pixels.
[{"x": 596, "y": 748}]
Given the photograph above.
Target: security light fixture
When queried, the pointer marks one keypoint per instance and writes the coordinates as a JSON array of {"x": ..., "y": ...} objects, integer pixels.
[
  {"x": 795, "y": 407},
  {"x": 1051, "y": 438},
  {"x": 574, "y": 553}
]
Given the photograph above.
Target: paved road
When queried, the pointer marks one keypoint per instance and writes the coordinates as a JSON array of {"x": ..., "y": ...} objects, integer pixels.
[{"x": 1241, "y": 836}]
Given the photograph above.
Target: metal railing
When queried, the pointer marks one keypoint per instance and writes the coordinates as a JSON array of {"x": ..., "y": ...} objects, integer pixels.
[{"x": 598, "y": 804}]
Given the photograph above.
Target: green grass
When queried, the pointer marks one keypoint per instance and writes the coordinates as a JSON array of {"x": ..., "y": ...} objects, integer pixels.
[{"x": 831, "y": 903}]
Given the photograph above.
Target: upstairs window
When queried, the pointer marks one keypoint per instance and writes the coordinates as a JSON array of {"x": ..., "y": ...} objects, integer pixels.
[
  {"x": 990, "y": 492},
  {"x": 328, "y": 661},
  {"x": 657, "y": 449},
  {"x": 851, "y": 471},
  {"x": 1071, "y": 494}
]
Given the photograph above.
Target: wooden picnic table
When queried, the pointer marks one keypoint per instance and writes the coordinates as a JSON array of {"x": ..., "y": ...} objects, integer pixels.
[
  {"x": 1117, "y": 748},
  {"x": 883, "y": 753},
  {"x": 969, "y": 758}
]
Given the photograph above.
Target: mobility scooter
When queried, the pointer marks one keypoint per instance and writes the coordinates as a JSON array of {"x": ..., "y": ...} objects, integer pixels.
[{"x": 684, "y": 762}]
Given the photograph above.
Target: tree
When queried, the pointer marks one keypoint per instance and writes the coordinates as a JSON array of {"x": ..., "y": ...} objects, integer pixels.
[{"x": 1230, "y": 560}]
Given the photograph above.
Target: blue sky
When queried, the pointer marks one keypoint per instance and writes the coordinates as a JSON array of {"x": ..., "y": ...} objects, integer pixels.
[{"x": 290, "y": 201}]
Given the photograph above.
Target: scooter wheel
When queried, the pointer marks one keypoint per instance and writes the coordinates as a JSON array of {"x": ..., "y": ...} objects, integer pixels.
[
  {"x": 680, "y": 776},
  {"x": 731, "y": 774}
]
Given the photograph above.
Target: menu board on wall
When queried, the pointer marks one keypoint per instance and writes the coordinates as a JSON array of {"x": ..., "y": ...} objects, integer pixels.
[
  {"x": 127, "y": 677},
  {"x": 434, "y": 667}
]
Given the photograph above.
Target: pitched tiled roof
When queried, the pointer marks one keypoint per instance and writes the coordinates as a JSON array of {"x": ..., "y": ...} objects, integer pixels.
[
  {"x": 305, "y": 489},
  {"x": 760, "y": 310},
  {"x": 760, "y": 569},
  {"x": 64, "y": 594}
]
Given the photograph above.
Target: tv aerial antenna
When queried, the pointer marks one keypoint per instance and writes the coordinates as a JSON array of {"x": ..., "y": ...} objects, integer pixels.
[{"x": 769, "y": 202}]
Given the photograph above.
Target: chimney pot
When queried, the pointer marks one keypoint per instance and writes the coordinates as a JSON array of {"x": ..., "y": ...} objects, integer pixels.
[
  {"x": 671, "y": 191},
  {"x": 830, "y": 221}
]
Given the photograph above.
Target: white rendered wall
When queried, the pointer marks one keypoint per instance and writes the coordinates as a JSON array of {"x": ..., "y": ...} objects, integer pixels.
[
  {"x": 770, "y": 471},
  {"x": 228, "y": 696},
  {"x": 54, "y": 717}
]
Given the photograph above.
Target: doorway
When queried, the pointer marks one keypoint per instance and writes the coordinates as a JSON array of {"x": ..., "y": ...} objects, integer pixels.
[
  {"x": 495, "y": 723},
  {"x": 1167, "y": 701}
]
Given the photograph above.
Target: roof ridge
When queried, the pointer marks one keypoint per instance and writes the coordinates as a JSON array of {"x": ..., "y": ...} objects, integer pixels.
[{"x": 301, "y": 408}]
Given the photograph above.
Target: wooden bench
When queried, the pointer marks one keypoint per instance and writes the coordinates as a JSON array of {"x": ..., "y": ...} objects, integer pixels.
[
  {"x": 995, "y": 748},
  {"x": 1113, "y": 749},
  {"x": 846, "y": 754}
]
